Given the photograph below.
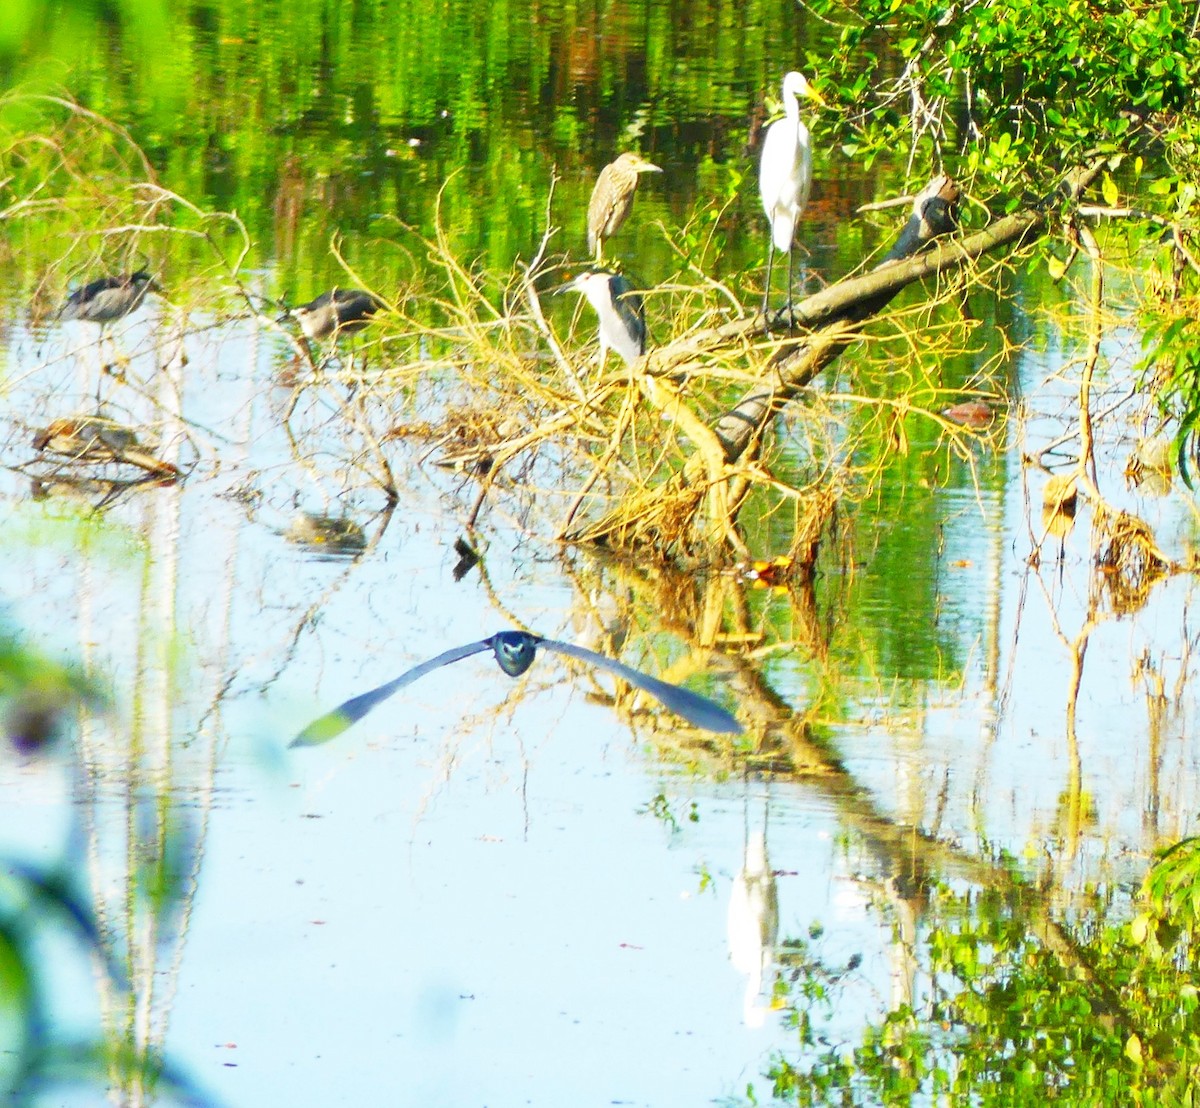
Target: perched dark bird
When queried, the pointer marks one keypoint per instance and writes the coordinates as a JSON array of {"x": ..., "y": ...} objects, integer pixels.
[
  {"x": 337, "y": 312},
  {"x": 515, "y": 651},
  {"x": 612, "y": 199},
  {"x": 785, "y": 176},
  {"x": 108, "y": 298},
  {"x": 622, "y": 318}
]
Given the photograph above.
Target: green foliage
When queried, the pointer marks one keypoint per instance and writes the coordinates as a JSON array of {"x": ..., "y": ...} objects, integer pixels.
[
  {"x": 1025, "y": 1008},
  {"x": 1026, "y": 88}
]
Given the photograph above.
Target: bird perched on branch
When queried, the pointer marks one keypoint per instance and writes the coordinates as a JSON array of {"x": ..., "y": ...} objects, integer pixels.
[
  {"x": 337, "y": 312},
  {"x": 515, "y": 652},
  {"x": 785, "y": 176},
  {"x": 622, "y": 318},
  {"x": 108, "y": 298},
  {"x": 612, "y": 199}
]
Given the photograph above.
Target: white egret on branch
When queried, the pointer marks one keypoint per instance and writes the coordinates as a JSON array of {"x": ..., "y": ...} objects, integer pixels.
[{"x": 785, "y": 176}]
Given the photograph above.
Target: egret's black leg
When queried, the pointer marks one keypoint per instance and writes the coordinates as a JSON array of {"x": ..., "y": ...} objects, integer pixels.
[
  {"x": 791, "y": 304},
  {"x": 767, "y": 288}
]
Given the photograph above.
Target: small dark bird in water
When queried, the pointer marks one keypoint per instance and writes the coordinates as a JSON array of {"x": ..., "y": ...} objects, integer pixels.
[
  {"x": 108, "y": 298},
  {"x": 515, "y": 652},
  {"x": 337, "y": 312},
  {"x": 612, "y": 199}
]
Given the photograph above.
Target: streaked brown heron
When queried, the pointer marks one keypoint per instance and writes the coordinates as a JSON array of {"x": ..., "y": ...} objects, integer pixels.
[
  {"x": 515, "y": 652},
  {"x": 612, "y": 199},
  {"x": 785, "y": 176},
  {"x": 622, "y": 317}
]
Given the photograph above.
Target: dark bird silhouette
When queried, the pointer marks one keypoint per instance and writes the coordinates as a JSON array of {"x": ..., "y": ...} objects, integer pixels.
[
  {"x": 108, "y": 298},
  {"x": 337, "y": 312},
  {"x": 515, "y": 652}
]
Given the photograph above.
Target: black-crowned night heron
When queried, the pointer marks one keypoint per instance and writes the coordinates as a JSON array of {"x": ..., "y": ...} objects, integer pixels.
[
  {"x": 515, "y": 652},
  {"x": 108, "y": 298},
  {"x": 337, "y": 312},
  {"x": 612, "y": 199},
  {"x": 785, "y": 176},
  {"x": 622, "y": 319}
]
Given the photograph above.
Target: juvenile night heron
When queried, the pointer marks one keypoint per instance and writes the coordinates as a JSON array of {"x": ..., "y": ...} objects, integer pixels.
[
  {"x": 515, "y": 652},
  {"x": 108, "y": 298},
  {"x": 785, "y": 176},
  {"x": 337, "y": 312},
  {"x": 612, "y": 199},
  {"x": 96, "y": 440},
  {"x": 622, "y": 319}
]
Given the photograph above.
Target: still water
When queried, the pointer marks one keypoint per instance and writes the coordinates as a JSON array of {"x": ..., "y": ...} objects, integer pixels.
[{"x": 541, "y": 891}]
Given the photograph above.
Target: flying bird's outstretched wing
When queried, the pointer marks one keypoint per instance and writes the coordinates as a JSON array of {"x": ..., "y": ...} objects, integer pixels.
[
  {"x": 332, "y": 724},
  {"x": 696, "y": 709},
  {"x": 515, "y": 652}
]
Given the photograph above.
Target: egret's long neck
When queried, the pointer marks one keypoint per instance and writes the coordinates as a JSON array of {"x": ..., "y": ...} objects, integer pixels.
[{"x": 791, "y": 106}]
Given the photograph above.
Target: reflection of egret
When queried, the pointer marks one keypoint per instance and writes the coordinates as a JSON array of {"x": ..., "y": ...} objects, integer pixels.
[
  {"x": 785, "y": 176},
  {"x": 612, "y": 198},
  {"x": 515, "y": 652},
  {"x": 753, "y": 925},
  {"x": 622, "y": 318}
]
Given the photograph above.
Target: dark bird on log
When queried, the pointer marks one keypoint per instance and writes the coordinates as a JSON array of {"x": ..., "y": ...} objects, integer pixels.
[
  {"x": 337, "y": 312},
  {"x": 622, "y": 317},
  {"x": 785, "y": 176},
  {"x": 612, "y": 199},
  {"x": 515, "y": 652}
]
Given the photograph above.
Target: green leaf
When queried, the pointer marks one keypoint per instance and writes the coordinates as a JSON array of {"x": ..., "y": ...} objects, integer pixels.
[{"x": 1108, "y": 188}]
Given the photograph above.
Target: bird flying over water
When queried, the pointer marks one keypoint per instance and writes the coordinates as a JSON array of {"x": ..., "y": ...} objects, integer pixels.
[{"x": 515, "y": 652}]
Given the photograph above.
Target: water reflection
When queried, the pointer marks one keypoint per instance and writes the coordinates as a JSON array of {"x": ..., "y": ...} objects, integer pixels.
[{"x": 753, "y": 923}]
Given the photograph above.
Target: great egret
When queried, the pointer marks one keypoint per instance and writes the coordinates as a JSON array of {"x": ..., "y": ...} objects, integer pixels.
[
  {"x": 622, "y": 319},
  {"x": 785, "y": 176},
  {"x": 612, "y": 199},
  {"x": 515, "y": 652}
]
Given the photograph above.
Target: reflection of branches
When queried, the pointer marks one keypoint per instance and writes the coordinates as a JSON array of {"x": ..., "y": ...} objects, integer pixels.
[{"x": 308, "y": 618}]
